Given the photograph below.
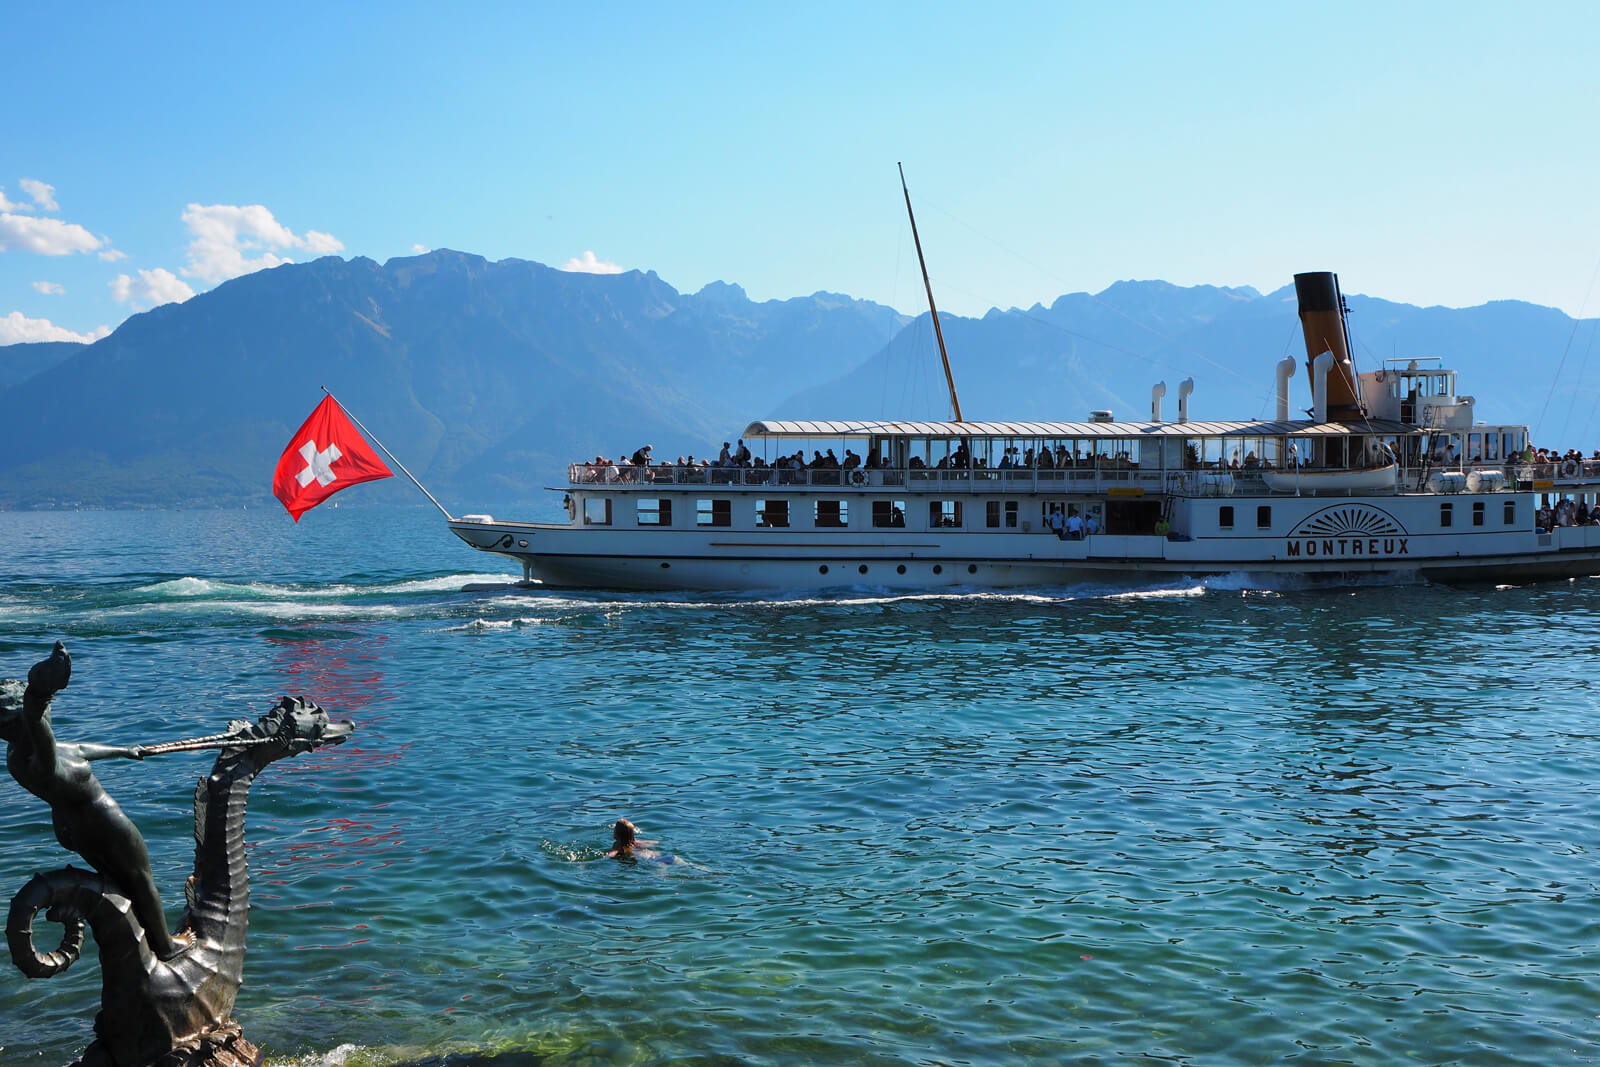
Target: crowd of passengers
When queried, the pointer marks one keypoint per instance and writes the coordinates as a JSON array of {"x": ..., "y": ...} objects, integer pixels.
[
  {"x": 1566, "y": 512},
  {"x": 1571, "y": 461},
  {"x": 638, "y": 467}
]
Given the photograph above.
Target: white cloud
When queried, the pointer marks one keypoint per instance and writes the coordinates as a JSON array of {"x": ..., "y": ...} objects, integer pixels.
[
  {"x": 111, "y": 255},
  {"x": 151, "y": 288},
  {"x": 323, "y": 244},
  {"x": 227, "y": 241},
  {"x": 40, "y": 193},
  {"x": 420, "y": 250},
  {"x": 46, "y": 237},
  {"x": 50, "y": 288},
  {"x": 11, "y": 205},
  {"x": 588, "y": 263},
  {"x": 16, "y": 330}
]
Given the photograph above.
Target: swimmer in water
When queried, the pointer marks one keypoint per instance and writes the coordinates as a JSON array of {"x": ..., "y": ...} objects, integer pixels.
[{"x": 627, "y": 845}]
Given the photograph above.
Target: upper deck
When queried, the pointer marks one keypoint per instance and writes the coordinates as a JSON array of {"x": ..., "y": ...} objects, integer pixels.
[{"x": 1103, "y": 456}]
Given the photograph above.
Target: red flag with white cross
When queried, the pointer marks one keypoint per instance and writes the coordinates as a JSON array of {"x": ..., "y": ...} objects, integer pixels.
[{"x": 325, "y": 455}]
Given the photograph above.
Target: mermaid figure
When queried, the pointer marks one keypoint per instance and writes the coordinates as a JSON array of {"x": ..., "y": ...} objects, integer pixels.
[{"x": 87, "y": 821}]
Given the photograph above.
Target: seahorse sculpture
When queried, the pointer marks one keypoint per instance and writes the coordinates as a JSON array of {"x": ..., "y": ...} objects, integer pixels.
[{"x": 174, "y": 1011}]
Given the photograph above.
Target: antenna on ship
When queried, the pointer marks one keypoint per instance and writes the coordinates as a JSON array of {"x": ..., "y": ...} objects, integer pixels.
[{"x": 955, "y": 402}]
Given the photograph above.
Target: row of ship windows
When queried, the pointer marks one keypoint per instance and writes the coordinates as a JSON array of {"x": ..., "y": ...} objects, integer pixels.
[
  {"x": 942, "y": 514},
  {"x": 1447, "y": 515}
]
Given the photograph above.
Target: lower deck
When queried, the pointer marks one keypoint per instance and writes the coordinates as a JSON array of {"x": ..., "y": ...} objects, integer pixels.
[{"x": 629, "y": 541}]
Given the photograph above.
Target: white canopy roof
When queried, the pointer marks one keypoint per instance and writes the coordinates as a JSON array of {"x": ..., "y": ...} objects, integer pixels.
[{"x": 1298, "y": 428}]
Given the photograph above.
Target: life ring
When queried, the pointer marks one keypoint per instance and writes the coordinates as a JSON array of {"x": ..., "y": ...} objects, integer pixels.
[
  {"x": 1569, "y": 468},
  {"x": 857, "y": 478}
]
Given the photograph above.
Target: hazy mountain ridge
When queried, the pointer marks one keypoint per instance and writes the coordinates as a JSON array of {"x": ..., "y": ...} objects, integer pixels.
[
  {"x": 1105, "y": 351},
  {"x": 20, "y": 362},
  {"x": 488, "y": 378},
  {"x": 485, "y": 378}
]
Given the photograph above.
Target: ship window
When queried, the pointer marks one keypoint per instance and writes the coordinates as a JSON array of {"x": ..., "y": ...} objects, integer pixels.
[
  {"x": 655, "y": 511},
  {"x": 946, "y": 513},
  {"x": 888, "y": 513},
  {"x": 993, "y": 512},
  {"x": 831, "y": 513},
  {"x": 597, "y": 511},
  {"x": 772, "y": 513},
  {"x": 713, "y": 512},
  {"x": 1477, "y": 513},
  {"x": 1511, "y": 512},
  {"x": 1446, "y": 513},
  {"x": 1225, "y": 516},
  {"x": 1264, "y": 517}
]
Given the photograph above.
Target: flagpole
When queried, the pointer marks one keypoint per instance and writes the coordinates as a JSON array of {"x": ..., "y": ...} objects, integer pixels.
[{"x": 391, "y": 455}]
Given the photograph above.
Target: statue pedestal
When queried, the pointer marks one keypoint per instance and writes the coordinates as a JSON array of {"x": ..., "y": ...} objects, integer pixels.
[{"x": 226, "y": 1046}]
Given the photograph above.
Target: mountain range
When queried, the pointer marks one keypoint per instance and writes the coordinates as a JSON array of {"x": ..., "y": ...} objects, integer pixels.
[{"x": 487, "y": 378}]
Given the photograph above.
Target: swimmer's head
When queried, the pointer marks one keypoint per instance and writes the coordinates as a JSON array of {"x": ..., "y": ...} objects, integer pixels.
[
  {"x": 624, "y": 834},
  {"x": 11, "y": 690}
]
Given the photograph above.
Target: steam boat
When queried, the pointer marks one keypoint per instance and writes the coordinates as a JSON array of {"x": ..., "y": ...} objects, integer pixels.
[{"x": 1390, "y": 475}]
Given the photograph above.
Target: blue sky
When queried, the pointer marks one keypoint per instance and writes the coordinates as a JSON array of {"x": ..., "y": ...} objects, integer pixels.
[{"x": 1428, "y": 153}]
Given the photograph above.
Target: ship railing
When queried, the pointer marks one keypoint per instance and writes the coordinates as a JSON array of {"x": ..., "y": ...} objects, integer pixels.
[
  {"x": 1083, "y": 479},
  {"x": 1567, "y": 472},
  {"x": 1110, "y": 477}
]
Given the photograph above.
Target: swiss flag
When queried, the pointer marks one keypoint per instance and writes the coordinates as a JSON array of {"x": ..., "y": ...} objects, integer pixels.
[{"x": 325, "y": 455}]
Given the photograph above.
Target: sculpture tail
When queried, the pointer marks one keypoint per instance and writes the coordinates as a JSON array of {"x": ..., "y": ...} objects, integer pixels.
[{"x": 71, "y": 896}]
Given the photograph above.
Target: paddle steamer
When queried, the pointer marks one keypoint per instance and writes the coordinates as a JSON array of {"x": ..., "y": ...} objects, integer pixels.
[{"x": 1390, "y": 475}]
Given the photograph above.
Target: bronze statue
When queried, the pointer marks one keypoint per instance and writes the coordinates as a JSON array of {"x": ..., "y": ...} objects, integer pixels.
[
  {"x": 86, "y": 819},
  {"x": 164, "y": 997}
]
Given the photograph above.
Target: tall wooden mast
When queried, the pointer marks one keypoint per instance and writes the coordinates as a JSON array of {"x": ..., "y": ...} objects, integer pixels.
[{"x": 955, "y": 402}]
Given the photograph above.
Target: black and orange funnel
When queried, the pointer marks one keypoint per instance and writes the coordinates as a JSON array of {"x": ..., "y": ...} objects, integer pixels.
[{"x": 1322, "y": 320}]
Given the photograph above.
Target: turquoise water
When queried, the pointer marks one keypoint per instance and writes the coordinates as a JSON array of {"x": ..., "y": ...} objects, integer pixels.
[{"x": 1193, "y": 823}]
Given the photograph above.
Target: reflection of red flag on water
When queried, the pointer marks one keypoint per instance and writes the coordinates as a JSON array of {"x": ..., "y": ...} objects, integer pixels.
[{"x": 325, "y": 455}]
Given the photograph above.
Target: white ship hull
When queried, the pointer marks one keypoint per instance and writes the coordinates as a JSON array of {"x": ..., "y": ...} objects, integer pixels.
[{"x": 564, "y": 556}]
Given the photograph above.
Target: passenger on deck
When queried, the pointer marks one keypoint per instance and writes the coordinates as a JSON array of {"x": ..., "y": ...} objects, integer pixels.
[
  {"x": 741, "y": 455},
  {"x": 1058, "y": 523},
  {"x": 1091, "y": 525},
  {"x": 1047, "y": 459},
  {"x": 851, "y": 460},
  {"x": 1074, "y": 525},
  {"x": 724, "y": 458},
  {"x": 641, "y": 458}
]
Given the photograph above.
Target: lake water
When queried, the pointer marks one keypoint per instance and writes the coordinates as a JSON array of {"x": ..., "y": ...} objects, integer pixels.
[{"x": 1194, "y": 823}]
